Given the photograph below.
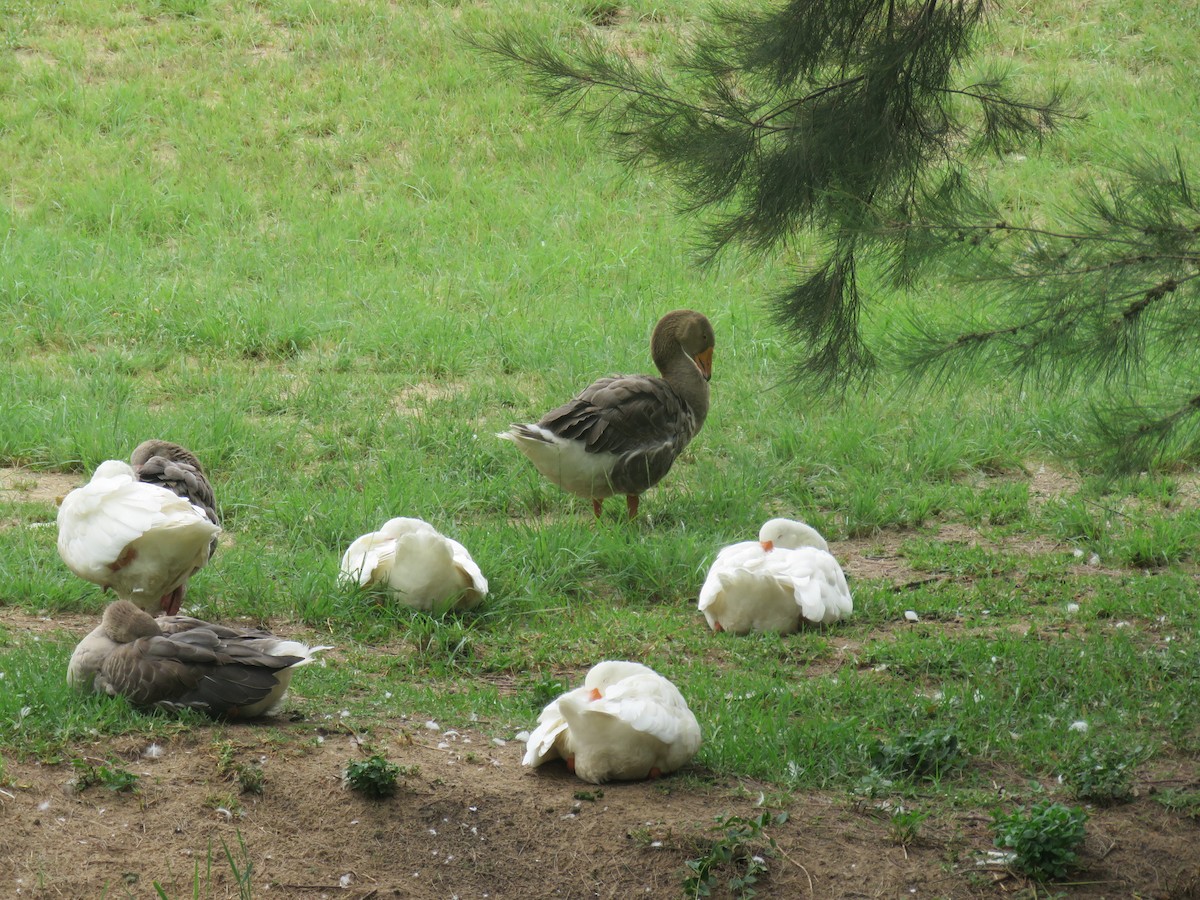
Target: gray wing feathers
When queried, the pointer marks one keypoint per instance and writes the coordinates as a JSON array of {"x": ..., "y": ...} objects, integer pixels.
[
  {"x": 638, "y": 418},
  {"x": 183, "y": 480},
  {"x": 194, "y": 668},
  {"x": 181, "y": 477}
]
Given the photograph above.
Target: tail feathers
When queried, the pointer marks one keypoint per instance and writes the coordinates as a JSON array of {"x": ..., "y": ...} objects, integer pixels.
[
  {"x": 305, "y": 653},
  {"x": 518, "y": 433},
  {"x": 540, "y": 746}
]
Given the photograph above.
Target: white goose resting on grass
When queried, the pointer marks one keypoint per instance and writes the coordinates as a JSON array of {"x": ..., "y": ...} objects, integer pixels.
[
  {"x": 776, "y": 584},
  {"x": 418, "y": 565},
  {"x": 626, "y": 723},
  {"x": 139, "y": 538},
  {"x": 622, "y": 434},
  {"x": 177, "y": 662}
]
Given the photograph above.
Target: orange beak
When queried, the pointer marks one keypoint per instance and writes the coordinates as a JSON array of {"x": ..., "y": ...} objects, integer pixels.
[
  {"x": 768, "y": 545},
  {"x": 595, "y": 694},
  {"x": 703, "y": 361}
]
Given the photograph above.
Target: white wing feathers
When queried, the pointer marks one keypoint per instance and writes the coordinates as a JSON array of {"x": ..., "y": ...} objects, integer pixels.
[
  {"x": 646, "y": 703},
  {"x": 100, "y": 520}
]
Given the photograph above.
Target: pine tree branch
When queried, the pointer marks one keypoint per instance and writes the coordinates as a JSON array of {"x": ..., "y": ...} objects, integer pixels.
[
  {"x": 997, "y": 100},
  {"x": 1021, "y": 229},
  {"x": 801, "y": 101},
  {"x": 1153, "y": 295},
  {"x": 554, "y": 66},
  {"x": 819, "y": 116},
  {"x": 1123, "y": 262},
  {"x": 1133, "y": 437}
]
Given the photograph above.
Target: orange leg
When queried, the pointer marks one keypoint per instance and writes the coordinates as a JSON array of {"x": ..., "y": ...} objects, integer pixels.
[
  {"x": 596, "y": 507},
  {"x": 631, "y": 501},
  {"x": 718, "y": 627}
]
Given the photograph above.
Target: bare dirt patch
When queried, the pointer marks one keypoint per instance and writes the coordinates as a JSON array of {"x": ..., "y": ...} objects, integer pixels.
[
  {"x": 28, "y": 57},
  {"x": 28, "y": 486},
  {"x": 470, "y": 822},
  {"x": 415, "y": 399}
]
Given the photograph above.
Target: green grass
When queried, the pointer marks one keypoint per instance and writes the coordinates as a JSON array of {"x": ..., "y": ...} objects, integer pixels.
[{"x": 324, "y": 245}]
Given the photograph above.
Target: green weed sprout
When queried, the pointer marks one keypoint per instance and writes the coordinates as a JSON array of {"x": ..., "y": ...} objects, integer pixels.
[{"x": 1044, "y": 838}]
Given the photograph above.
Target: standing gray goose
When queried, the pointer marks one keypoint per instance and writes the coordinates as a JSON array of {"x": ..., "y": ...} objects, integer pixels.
[
  {"x": 621, "y": 434},
  {"x": 178, "y": 662}
]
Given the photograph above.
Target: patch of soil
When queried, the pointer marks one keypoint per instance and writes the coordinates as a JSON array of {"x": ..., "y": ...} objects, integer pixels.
[
  {"x": 469, "y": 821},
  {"x": 28, "y": 486},
  {"x": 415, "y": 399}
]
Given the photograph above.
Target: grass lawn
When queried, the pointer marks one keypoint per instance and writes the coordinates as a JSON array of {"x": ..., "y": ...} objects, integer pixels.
[{"x": 325, "y": 246}]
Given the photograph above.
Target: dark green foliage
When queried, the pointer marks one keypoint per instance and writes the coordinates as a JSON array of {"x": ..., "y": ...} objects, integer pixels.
[
  {"x": 111, "y": 776},
  {"x": 843, "y": 117},
  {"x": 732, "y": 854},
  {"x": 1109, "y": 297},
  {"x": 1103, "y": 774},
  {"x": 905, "y": 825},
  {"x": 1044, "y": 838},
  {"x": 376, "y": 777},
  {"x": 924, "y": 755}
]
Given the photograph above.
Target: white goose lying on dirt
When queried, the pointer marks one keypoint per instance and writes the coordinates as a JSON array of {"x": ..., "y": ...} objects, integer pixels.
[
  {"x": 621, "y": 434},
  {"x": 177, "y": 662},
  {"x": 627, "y": 722},
  {"x": 775, "y": 584},
  {"x": 139, "y": 537},
  {"x": 418, "y": 565}
]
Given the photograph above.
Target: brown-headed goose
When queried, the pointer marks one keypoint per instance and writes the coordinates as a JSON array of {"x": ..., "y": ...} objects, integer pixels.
[
  {"x": 417, "y": 564},
  {"x": 627, "y": 722},
  {"x": 137, "y": 535},
  {"x": 778, "y": 583},
  {"x": 177, "y": 662},
  {"x": 622, "y": 433}
]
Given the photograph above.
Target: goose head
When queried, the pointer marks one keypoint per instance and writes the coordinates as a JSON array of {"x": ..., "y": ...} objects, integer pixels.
[
  {"x": 683, "y": 334},
  {"x": 790, "y": 534},
  {"x": 125, "y": 622}
]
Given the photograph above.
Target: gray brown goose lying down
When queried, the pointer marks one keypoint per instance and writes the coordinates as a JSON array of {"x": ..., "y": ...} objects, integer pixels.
[
  {"x": 141, "y": 530},
  {"x": 622, "y": 434},
  {"x": 177, "y": 662}
]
